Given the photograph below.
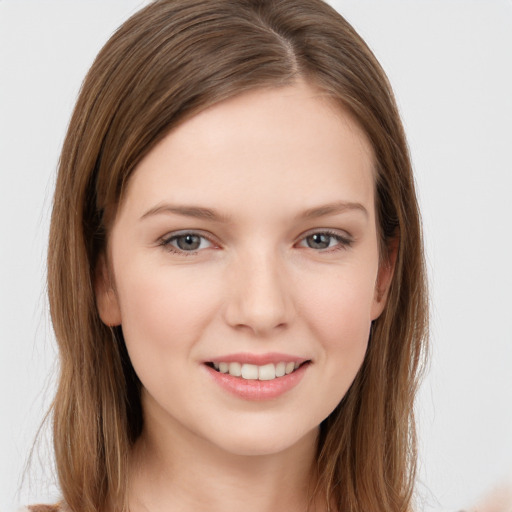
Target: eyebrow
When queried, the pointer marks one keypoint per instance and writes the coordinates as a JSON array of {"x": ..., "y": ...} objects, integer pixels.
[
  {"x": 333, "y": 209},
  {"x": 196, "y": 212},
  {"x": 199, "y": 212}
]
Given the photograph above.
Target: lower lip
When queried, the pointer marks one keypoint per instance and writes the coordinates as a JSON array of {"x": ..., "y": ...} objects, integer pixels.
[{"x": 258, "y": 389}]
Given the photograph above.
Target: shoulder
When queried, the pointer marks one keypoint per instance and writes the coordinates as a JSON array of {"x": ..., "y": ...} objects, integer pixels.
[{"x": 42, "y": 508}]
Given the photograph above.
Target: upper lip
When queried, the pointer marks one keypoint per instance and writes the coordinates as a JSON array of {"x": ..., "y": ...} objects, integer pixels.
[{"x": 258, "y": 359}]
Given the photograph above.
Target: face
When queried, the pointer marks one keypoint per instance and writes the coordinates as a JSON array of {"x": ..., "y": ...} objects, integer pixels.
[{"x": 244, "y": 270}]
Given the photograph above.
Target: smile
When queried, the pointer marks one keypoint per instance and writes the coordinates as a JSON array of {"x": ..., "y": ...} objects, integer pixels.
[
  {"x": 257, "y": 382},
  {"x": 269, "y": 371}
]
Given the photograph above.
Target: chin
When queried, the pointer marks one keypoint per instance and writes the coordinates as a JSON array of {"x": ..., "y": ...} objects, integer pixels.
[{"x": 265, "y": 442}]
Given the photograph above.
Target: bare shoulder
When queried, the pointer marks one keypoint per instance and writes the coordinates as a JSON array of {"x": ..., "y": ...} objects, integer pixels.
[
  {"x": 42, "y": 508},
  {"x": 498, "y": 499}
]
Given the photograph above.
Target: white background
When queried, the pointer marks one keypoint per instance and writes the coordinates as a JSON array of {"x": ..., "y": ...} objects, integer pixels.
[{"x": 450, "y": 63}]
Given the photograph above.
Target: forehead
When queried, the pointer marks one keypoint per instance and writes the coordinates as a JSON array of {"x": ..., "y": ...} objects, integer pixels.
[{"x": 288, "y": 147}]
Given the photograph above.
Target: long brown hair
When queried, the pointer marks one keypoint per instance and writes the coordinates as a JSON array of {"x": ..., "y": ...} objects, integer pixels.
[{"x": 169, "y": 61}]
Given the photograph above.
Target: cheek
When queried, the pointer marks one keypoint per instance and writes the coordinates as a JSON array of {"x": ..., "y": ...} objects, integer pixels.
[
  {"x": 164, "y": 309},
  {"x": 339, "y": 315},
  {"x": 339, "y": 306}
]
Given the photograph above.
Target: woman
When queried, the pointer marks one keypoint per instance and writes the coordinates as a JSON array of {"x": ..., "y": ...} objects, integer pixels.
[{"x": 236, "y": 273}]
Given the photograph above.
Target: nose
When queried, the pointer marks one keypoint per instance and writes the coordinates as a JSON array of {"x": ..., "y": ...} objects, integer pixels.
[{"x": 259, "y": 295}]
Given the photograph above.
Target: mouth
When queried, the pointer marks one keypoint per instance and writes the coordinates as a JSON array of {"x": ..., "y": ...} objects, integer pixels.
[{"x": 265, "y": 372}]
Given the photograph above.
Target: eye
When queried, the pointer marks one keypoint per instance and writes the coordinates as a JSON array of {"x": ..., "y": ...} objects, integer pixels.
[
  {"x": 186, "y": 242},
  {"x": 323, "y": 240}
]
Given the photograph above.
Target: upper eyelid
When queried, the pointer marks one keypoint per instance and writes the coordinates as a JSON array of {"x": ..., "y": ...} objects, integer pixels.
[
  {"x": 328, "y": 231},
  {"x": 182, "y": 232},
  {"x": 213, "y": 240},
  {"x": 166, "y": 241}
]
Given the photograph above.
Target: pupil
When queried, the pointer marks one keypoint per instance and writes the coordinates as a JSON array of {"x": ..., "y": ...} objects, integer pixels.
[
  {"x": 189, "y": 242},
  {"x": 319, "y": 241}
]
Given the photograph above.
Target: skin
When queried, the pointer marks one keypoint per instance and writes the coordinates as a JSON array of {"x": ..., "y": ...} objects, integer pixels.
[{"x": 256, "y": 284}]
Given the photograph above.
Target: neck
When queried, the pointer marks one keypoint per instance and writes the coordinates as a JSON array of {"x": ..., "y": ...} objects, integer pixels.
[{"x": 174, "y": 469}]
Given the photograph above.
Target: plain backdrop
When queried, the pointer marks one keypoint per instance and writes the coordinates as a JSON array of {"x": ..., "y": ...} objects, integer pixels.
[{"x": 450, "y": 63}]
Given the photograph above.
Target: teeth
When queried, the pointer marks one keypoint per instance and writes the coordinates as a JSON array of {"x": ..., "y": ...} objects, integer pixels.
[
  {"x": 267, "y": 372},
  {"x": 254, "y": 372},
  {"x": 249, "y": 371},
  {"x": 289, "y": 368},
  {"x": 235, "y": 369}
]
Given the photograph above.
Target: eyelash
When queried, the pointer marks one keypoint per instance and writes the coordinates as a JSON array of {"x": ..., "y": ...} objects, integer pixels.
[
  {"x": 166, "y": 242},
  {"x": 343, "y": 242}
]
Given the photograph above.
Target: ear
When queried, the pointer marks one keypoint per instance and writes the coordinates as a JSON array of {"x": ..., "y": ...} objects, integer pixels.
[
  {"x": 106, "y": 298},
  {"x": 384, "y": 278}
]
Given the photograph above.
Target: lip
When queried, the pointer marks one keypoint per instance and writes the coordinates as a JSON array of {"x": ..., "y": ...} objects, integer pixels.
[
  {"x": 258, "y": 359},
  {"x": 258, "y": 390}
]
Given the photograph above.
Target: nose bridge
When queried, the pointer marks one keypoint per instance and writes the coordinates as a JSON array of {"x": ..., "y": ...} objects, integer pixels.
[{"x": 259, "y": 294}]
